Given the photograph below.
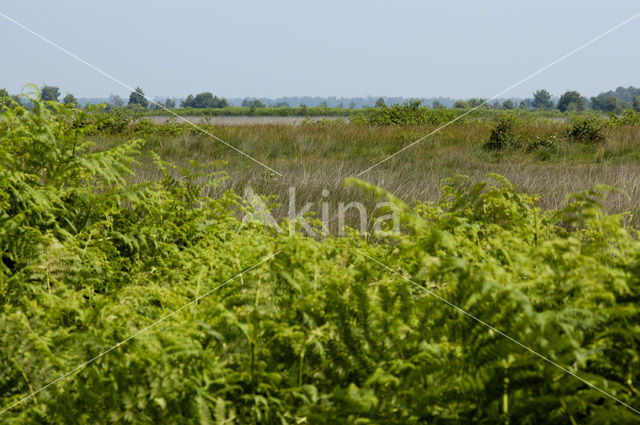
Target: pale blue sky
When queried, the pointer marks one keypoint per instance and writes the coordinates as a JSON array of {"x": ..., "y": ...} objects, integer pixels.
[{"x": 456, "y": 48}]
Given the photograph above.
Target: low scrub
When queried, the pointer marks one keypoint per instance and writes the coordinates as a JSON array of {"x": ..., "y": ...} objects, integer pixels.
[
  {"x": 503, "y": 135},
  {"x": 408, "y": 113},
  {"x": 587, "y": 130}
]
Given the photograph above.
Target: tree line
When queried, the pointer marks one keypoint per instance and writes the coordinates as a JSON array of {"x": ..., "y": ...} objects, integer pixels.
[
  {"x": 613, "y": 101},
  {"x": 569, "y": 101}
]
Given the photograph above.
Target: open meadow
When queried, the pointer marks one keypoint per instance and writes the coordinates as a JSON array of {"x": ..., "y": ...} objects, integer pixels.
[{"x": 317, "y": 156}]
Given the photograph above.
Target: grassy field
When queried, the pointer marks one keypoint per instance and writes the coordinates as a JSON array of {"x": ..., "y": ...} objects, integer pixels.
[{"x": 317, "y": 156}]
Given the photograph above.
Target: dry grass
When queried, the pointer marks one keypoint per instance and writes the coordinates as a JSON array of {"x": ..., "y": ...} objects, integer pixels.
[{"x": 314, "y": 157}]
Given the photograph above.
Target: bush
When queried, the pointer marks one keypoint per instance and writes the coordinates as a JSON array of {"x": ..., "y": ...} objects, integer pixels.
[
  {"x": 409, "y": 113},
  {"x": 543, "y": 147},
  {"x": 101, "y": 119},
  {"x": 503, "y": 135},
  {"x": 587, "y": 131},
  {"x": 629, "y": 117}
]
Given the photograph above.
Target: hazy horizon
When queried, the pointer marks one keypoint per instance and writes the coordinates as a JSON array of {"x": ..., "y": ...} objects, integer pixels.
[{"x": 460, "y": 49}]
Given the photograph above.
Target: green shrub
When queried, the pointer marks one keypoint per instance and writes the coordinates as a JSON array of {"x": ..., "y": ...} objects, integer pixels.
[
  {"x": 503, "y": 135},
  {"x": 629, "y": 117},
  {"x": 99, "y": 119},
  {"x": 409, "y": 113},
  {"x": 543, "y": 147},
  {"x": 587, "y": 130},
  {"x": 144, "y": 127}
]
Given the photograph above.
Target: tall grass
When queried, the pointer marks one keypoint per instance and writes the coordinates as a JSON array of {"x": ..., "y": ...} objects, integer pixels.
[{"x": 317, "y": 156}]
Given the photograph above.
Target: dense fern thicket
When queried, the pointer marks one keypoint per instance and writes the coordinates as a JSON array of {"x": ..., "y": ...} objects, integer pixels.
[{"x": 319, "y": 333}]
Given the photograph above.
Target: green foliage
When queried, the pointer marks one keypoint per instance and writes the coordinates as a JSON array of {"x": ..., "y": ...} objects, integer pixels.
[
  {"x": 50, "y": 93},
  {"x": 629, "y": 117},
  {"x": 503, "y": 135},
  {"x": 380, "y": 103},
  {"x": 4, "y": 93},
  {"x": 137, "y": 98},
  {"x": 616, "y": 100},
  {"x": 542, "y": 99},
  {"x": 606, "y": 103},
  {"x": 459, "y": 104},
  {"x": 475, "y": 102},
  {"x": 317, "y": 334},
  {"x": 99, "y": 119},
  {"x": 116, "y": 101},
  {"x": 70, "y": 100},
  {"x": 255, "y": 103},
  {"x": 170, "y": 103},
  {"x": 6, "y": 100},
  {"x": 543, "y": 147},
  {"x": 586, "y": 130},
  {"x": 282, "y": 111},
  {"x": 409, "y": 113},
  {"x": 204, "y": 100},
  {"x": 571, "y": 101},
  {"x": 508, "y": 104}
]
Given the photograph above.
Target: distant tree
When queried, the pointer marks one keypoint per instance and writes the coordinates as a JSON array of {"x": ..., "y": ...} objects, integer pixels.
[
  {"x": 5, "y": 98},
  {"x": 170, "y": 103},
  {"x": 340, "y": 105},
  {"x": 460, "y": 104},
  {"x": 116, "y": 100},
  {"x": 571, "y": 101},
  {"x": 437, "y": 105},
  {"x": 476, "y": 102},
  {"x": 50, "y": 93},
  {"x": 137, "y": 98},
  {"x": 205, "y": 100},
  {"x": 636, "y": 103},
  {"x": 253, "y": 103},
  {"x": 188, "y": 102},
  {"x": 542, "y": 99},
  {"x": 380, "y": 103},
  {"x": 623, "y": 95},
  {"x": 606, "y": 103},
  {"x": 70, "y": 100},
  {"x": 352, "y": 105},
  {"x": 282, "y": 105},
  {"x": 523, "y": 105},
  {"x": 508, "y": 104},
  {"x": 17, "y": 99},
  {"x": 323, "y": 104}
]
